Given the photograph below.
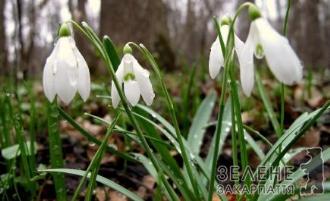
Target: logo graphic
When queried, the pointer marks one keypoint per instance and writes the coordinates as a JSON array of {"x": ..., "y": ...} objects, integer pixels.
[
  {"x": 315, "y": 157},
  {"x": 232, "y": 179}
]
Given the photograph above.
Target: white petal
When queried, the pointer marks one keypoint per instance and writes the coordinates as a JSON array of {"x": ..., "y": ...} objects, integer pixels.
[
  {"x": 84, "y": 81},
  {"x": 246, "y": 61},
  {"x": 224, "y": 29},
  {"x": 128, "y": 61},
  {"x": 280, "y": 56},
  {"x": 132, "y": 92},
  {"x": 114, "y": 93},
  {"x": 216, "y": 60},
  {"x": 239, "y": 46},
  {"x": 115, "y": 99},
  {"x": 66, "y": 47},
  {"x": 48, "y": 78},
  {"x": 64, "y": 89},
  {"x": 66, "y": 70},
  {"x": 142, "y": 77}
]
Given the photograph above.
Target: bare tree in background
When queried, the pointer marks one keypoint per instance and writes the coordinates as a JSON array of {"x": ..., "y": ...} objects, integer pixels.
[
  {"x": 3, "y": 49},
  {"x": 141, "y": 21},
  {"x": 313, "y": 45},
  {"x": 25, "y": 43},
  {"x": 133, "y": 20},
  {"x": 326, "y": 28},
  {"x": 295, "y": 28}
]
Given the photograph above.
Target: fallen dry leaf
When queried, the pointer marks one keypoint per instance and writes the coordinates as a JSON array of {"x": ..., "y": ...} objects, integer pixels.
[
  {"x": 148, "y": 183},
  {"x": 116, "y": 196},
  {"x": 100, "y": 194}
]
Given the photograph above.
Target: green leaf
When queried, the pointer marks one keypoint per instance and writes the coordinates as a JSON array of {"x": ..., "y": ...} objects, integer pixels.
[
  {"x": 256, "y": 148},
  {"x": 298, "y": 174},
  {"x": 172, "y": 169},
  {"x": 13, "y": 151},
  {"x": 111, "y": 51},
  {"x": 146, "y": 163},
  {"x": 281, "y": 147},
  {"x": 99, "y": 179},
  {"x": 321, "y": 197},
  {"x": 159, "y": 118},
  {"x": 225, "y": 128},
  {"x": 296, "y": 130},
  {"x": 197, "y": 129},
  {"x": 90, "y": 137},
  {"x": 268, "y": 106}
]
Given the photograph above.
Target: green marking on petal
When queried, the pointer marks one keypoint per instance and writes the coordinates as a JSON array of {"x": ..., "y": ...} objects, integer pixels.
[
  {"x": 259, "y": 52},
  {"x": 129, "y": 76}
]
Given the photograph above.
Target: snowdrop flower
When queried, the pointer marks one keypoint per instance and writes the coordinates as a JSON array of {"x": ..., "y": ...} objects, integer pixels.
[
  {"x": 66, "y": 71},
  {"x": 135, "y": 79},
  {"x": 216, "y": 60},
  {"x": 264, "y": 41}
]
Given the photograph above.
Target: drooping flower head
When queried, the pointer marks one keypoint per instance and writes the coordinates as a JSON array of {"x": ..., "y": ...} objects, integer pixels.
[
  {"x": 135, "y": 79},
  {"x": 264, "y": 41},
  {"x": 66, "y": 71},
  {"x": 216, "y": 60}
]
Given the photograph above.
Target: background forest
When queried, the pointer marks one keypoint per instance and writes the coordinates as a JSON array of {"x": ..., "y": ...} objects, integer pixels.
[
  {"x": 181, "y": 30},
  {"x": 179, "y": 34}
]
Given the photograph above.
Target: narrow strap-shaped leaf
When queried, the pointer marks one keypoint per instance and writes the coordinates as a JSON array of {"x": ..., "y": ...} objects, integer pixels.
[
  {"x": 99, "y": 179},
  {"x": 90, "y": 137},
  {"x": 55, "y": 148},
  {"x": 197, "y": 129},
  {"x": 111, "y": 50}
]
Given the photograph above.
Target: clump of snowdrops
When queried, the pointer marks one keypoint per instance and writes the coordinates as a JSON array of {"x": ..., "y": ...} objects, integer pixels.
[{"x": 66, "y": 72}]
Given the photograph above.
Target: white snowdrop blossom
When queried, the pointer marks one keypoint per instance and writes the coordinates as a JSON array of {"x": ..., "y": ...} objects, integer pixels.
[
  {"x": 264, "y": 41},
  {"x": 66, "y": 72},
  {"x": 136, "y": 82},
  {"x": 216, "y": 60}
]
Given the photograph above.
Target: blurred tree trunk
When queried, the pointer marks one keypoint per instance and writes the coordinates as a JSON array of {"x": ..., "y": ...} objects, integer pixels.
[
  {"x": 140, "y": 21},
  {"x": 3, "y": 49},
  {"x": 295, "y": 28},
  {"x": 133, "y": 20},
  {"x": 26, "y": 44},
  {"x": 313, "y": 46},
  {"x": 19, "y": 34},
  {"x": 189, "y": 35},
  {"x": 327, "y": 32}
]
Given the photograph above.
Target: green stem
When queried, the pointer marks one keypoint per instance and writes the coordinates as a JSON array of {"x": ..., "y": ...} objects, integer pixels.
[
  {"x": 268, "y": 106},
  {"x": 133, "y": 120},
  {"x": 218, "y": 131},
  {"x": 88, "y": 32},
  {"x": 96, "y": 162},
  {"x": 90, "y": 137},
  {"x": 171, "y": 108},
  {"x": 282, "y": 108},
  {"x": 234, "y": 137},
  {"x": 286, "y": 19},
  {"x": 55, "y": 148},
  {"x": 285, "y": 30},
  {"x": 239, "y": 123}
]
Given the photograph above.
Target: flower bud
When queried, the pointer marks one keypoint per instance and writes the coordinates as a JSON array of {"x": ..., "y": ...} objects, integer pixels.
[
  {"x": 127, "y": 49},
  {"x": 254, "y": 12},
  {"x": 64, "y": 30},
  {"x": 225, "y": 20}
]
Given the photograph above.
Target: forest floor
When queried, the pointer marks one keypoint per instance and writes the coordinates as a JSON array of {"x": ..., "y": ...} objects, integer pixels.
[{"x": 78, "y": 151}]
